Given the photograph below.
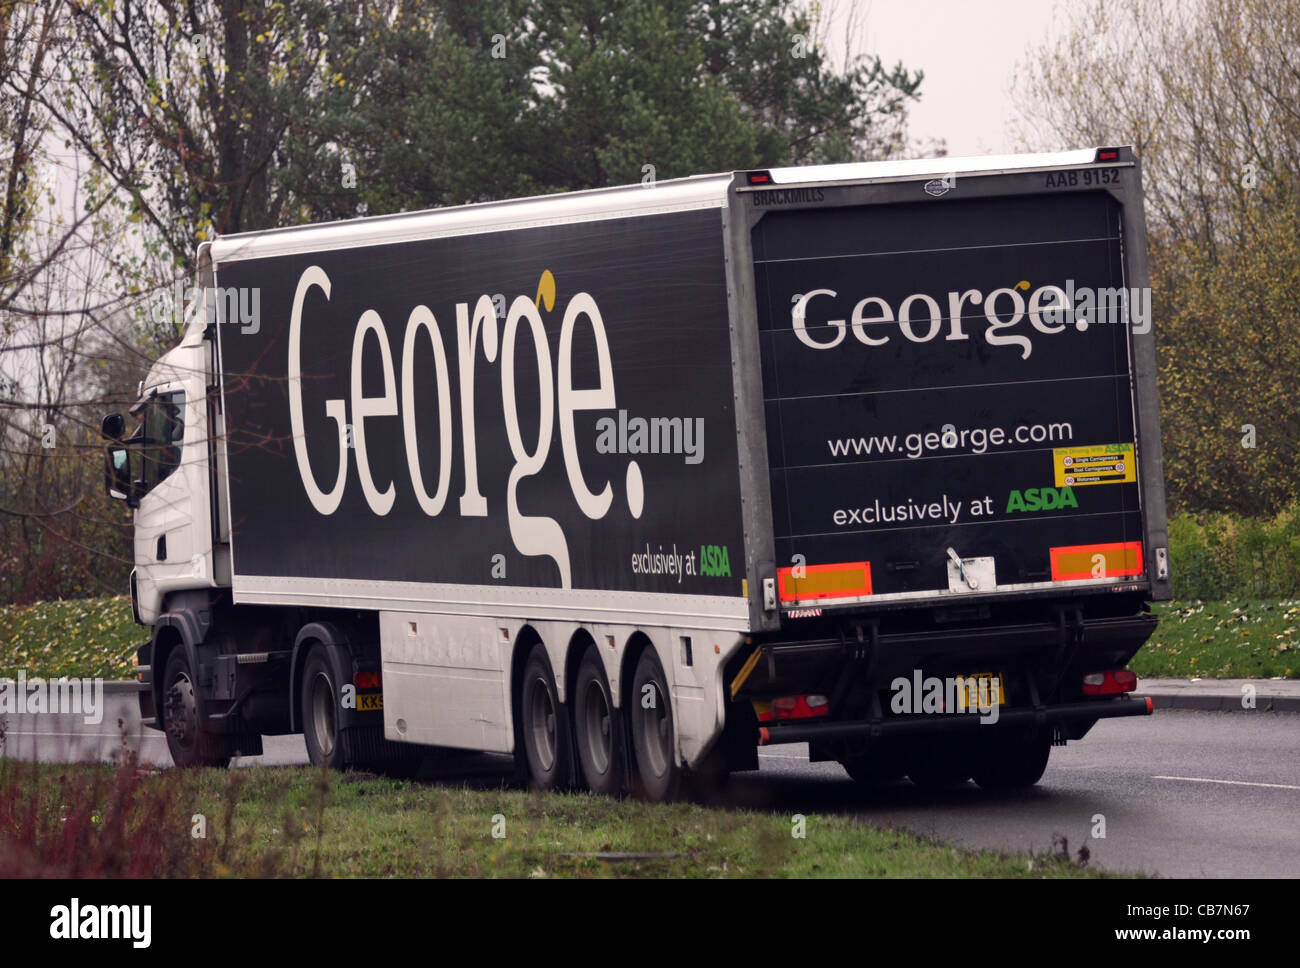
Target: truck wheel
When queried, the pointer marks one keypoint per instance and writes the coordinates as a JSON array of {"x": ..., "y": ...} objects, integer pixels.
[
  {"x": 191, "y": 742},
  {"x": 320, "y": 713},
  {"x": 653, "y": 739},
  {"x": 595, "y": 727},
  {"x": 868, "y": 772},
  {"x": 710, "y": 777},
  {"x": 1015, "y": 764},
  {"x": 544, "y": 725},
  {"x": 937, "y": 766}
]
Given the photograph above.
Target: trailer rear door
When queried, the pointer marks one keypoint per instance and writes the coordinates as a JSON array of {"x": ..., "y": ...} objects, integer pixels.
[{"x": 948, "y": 392}]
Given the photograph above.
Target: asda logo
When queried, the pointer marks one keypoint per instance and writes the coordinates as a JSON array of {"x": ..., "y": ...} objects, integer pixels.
[
  {"x": 1041, "y": 499},
  {"x": 714, "y": 562}
]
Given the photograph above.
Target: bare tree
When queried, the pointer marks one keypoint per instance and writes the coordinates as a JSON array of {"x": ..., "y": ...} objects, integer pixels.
[{"x": 1208, "y": 91}]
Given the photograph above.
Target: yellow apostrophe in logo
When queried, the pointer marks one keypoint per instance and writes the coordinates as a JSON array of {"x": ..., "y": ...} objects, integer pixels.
[
  {"x": 1023, "y": 284},
  {"x": 546, "y": 290}
]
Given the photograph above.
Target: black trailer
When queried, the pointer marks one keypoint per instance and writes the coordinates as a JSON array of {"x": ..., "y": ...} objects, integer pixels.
[{"x": 865, "y": 456}]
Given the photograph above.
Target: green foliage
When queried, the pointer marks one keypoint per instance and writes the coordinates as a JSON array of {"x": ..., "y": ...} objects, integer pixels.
[
  {"x": 1221, "y": 556},
  {"x": 207, "y": 117},
  {"x": 1228, "y": 358},
  {"x": 1208, "y": 101},
  {"x": 460, "y": 103}
]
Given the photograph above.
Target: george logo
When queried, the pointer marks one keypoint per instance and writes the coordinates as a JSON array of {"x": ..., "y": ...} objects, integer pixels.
[
  {"x": 921, "y": 318},
  {"x": 476, "y": 332}
]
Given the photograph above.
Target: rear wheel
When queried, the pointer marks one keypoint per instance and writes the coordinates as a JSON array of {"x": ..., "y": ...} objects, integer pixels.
[
  {"x": 710, "y": 777},
  {"x": 653, "y": 738},
  {"x": 191, "y": 742},
  {"x": 595, "y": 728},
  {"x": 320, "y": 712},
  {"x": 869, "y": 772},
  {"x": 938, "y": 766},
  {"x": 548, "y": 757},
  {"x": 1014, "y": 763},
  {"x": 358, "y": 746}
]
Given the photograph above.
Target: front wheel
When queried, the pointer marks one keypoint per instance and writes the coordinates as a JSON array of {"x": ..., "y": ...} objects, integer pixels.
[
  {"x": 653, "y": 738},
  {"x": 191, "y": 742}
]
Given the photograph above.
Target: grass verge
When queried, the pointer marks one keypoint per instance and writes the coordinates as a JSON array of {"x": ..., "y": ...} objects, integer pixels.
[
  {"x": 90, "y": 637},
  {"x": 1224, "y": 640},
  {"x": 90, "y": 820}
]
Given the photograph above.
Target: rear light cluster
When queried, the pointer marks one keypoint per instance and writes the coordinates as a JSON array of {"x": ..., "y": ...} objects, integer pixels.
[
  {"x": 792, "y": 707},
  {"x": 1110, "y": 682},
  {"x": 367, "y": 679}
]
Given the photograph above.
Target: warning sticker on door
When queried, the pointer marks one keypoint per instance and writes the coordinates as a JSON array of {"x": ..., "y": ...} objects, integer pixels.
[{"x": 1100, "y": 464}]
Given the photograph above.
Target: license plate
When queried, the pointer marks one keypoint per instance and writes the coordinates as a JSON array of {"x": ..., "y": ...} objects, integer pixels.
[
  {"x": 982, "y": 690},
  {"x": 370, "y": 701}
]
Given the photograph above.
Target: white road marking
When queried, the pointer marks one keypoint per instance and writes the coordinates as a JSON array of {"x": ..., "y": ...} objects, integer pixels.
[
  {"x": 88, "y": 736},
  {"x": 1201, "y": 779},
  {"x": 30, "y": 732}
]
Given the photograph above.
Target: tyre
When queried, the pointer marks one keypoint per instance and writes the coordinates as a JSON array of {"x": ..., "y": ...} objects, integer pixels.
[
  {"x": 938, "y": 767},
  {"x": 1014, "y": 764},
  {"x": 710, "y": 777},
  {"x": 869, "y": 772},
  {"x": 653, "y": 739},
  {"x": 544, "y": 726},
  {"x": 320, "y": 712},
  {"x": 595, "y": 723},
  {"x": 189, "y": 738}
]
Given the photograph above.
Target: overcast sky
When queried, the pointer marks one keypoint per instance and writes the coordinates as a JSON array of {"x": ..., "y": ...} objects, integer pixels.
[{"x": 967, "y": 49}]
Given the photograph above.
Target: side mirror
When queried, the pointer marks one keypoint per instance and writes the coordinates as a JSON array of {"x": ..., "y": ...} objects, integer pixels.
[
  {"x": 117, "y": 475},
  {"x": 113, "y": 426}
]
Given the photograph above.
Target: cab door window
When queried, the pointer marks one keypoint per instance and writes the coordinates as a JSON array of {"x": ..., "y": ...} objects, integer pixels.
[{"x": 164, "y": 432}]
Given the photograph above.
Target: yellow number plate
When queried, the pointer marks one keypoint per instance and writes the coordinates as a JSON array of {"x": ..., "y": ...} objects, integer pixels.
[
  {"x": 370, "y": 701},
  {"x": 983, "y": 689}
]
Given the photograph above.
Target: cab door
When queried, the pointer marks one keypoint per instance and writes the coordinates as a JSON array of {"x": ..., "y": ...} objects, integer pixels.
[{"x": 167, "y": 552}]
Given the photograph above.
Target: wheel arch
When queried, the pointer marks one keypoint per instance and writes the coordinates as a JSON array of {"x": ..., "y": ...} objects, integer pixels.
[
  {"x": 520, "y": 650},
  {"x": 336, "y": 643},
  {"x": 173, "y": 630},
  {"x": 579, "y": 642},
  {"x": 637, "y": 642}
]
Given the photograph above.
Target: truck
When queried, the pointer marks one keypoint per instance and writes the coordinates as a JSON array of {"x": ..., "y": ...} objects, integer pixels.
[{"x": 630, "y": 482}]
